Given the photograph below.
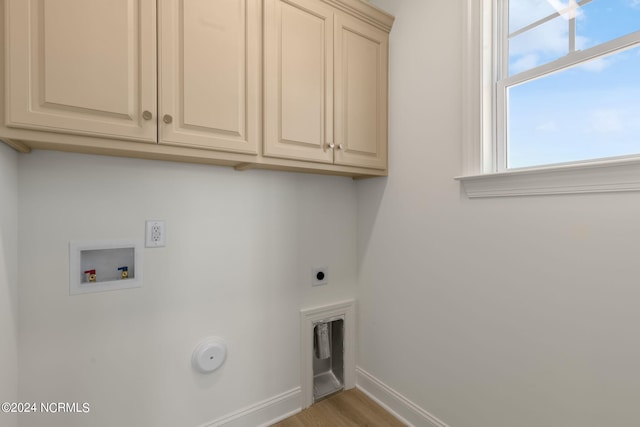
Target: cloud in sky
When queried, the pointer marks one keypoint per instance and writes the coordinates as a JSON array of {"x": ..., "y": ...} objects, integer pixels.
[
  {"x": 525, "y": 12},
  {"x": 550, "y": 126},
  {"x": 598, "y": 22},
  {"x": 606, "y": 121},
  {"x": 525, "y": 62},
  {"x": 542, "y": 44},
  {"x": 597, "y": 65},
  {"x": 567, "y": 9}
]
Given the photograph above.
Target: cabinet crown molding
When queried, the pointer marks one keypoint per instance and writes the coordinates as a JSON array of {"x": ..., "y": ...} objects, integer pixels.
[{"x": 364, "y": 11}]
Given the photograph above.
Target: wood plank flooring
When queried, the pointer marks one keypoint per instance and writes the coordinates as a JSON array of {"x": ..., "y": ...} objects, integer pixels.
[{"x": 351, "y": 408}]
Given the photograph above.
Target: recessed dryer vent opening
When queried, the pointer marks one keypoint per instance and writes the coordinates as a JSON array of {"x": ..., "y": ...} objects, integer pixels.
[
  {"x": 328, "y": 357},
  {"x": 328, "y": 343}
]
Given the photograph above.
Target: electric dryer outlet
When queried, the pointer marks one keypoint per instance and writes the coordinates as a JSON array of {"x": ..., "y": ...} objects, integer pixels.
[{"x": 319, "y": 276}]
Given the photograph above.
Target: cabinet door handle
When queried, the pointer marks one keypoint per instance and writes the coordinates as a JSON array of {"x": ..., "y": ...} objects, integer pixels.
[
  {"x": 167, "y": 118},
  {"x": 147, "y": 115},
  {"x": 340, "y": 146},
  {"x": 331, "y": 145}
]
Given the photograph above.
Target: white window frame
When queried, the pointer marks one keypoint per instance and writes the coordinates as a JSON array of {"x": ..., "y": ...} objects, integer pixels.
[{"x": 482, "y": 175}]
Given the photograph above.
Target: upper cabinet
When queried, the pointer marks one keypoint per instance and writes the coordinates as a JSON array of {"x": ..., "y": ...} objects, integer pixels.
[
  {"x": 361, "y": 64},
  {"x": 278, "y": 84},
  {"x": 210, "y": 74},
  {"x": 90, "y": 67},
  {"x": 325, "y": 85},
  {"x": 298, "y": 76},
  {"x": 84, "y": 67}
]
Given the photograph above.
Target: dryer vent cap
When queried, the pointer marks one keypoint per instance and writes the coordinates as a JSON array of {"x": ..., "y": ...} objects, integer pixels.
[{"x": 209, "y": 355}]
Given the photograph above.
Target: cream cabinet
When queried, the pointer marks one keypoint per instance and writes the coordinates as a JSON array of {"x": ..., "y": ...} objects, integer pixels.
[
  {"x": 90, "y": 67},
  {"x": 209, "y": 70},
  {"x": 361, "y": 100},
  {"x": 297, "y": 85},
  {"x": 83, "y": 67},
  {"x": 299, "y": 80},
  {"x": 325, "y": 85}
]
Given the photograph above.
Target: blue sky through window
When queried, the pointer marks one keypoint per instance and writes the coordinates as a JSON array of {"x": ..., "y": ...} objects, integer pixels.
[{"x": 588, "y": 111}]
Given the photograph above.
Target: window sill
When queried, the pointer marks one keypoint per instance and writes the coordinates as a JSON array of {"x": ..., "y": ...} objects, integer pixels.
[{"x": 596, "y": 177}]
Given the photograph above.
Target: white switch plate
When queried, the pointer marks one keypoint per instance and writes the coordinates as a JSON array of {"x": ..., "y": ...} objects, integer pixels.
[{"x": 156, "y": 234}]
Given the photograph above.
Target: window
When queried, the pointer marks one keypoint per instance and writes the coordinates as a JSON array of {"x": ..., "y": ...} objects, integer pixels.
[
  {"x": 567, "y": 86},
  {"x": 551, "y": 84}
]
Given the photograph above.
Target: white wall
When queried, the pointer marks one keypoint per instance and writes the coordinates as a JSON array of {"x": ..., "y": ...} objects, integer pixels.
[
  {"x": 237, "y": 264},
  {"x": 495, "y": 312},
  {"x": 8, "y": 281}
]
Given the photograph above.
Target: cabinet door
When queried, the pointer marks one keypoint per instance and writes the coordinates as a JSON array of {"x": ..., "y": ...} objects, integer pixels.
[
  {"x": 210, "y": 74},
  {"x": 83, "y": 67},
  {"x": 298, "y": 80},
  {"x": 361, "y": 93}
]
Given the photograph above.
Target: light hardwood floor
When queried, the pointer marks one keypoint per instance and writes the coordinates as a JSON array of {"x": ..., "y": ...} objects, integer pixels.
[{"x": 350, "y": 408}]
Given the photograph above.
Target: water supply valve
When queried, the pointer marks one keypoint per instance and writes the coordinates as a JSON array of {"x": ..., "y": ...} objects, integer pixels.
[
  {"x": 91, "y": 275},
  {"x": 125, "y": 272}
]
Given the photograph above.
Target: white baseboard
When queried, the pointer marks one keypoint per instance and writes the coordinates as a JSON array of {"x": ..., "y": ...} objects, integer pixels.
[
  {"x": 265, "y": 413},
  {"x": 284, "y": 405},
  {"x": 401, "y": 407}
]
